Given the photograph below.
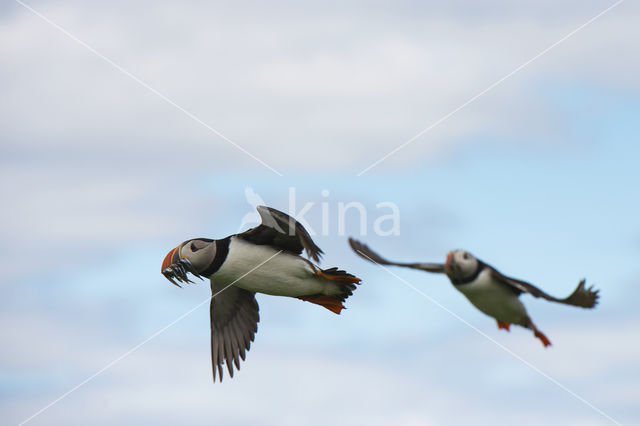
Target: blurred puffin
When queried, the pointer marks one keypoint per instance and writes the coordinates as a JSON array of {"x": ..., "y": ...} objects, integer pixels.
[
  {"x": 490, "y": 291},
  {"x": 265, "y": 259}
]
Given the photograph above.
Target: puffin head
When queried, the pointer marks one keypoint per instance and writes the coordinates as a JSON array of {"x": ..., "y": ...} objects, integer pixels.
[
  {"x": 460, "y": 265},
  {"x": 193, "y": 256}
]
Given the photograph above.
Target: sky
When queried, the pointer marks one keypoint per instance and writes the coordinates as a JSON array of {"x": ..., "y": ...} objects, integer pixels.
[{"x": 127, "y": 128}]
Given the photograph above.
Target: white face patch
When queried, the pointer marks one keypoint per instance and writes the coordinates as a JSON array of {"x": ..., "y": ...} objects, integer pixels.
[
  {"x": 199, "y": 252},
  {"x": 464, "y": 264}
]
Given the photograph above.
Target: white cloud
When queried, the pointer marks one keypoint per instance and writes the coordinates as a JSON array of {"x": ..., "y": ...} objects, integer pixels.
[
  {"x": 336, "y": 81},
  {"x": 459, "y": 379},
  {"x": 299, "y": 86}
]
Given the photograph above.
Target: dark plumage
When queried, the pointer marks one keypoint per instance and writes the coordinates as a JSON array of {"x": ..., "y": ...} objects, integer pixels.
[
  {"x": 487, "y": 289},
  {"x": 264, "y": 259}
]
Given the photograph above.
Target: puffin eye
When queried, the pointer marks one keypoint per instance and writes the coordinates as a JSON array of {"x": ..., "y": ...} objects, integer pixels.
[
  {"x": 193, "y": 248},
  {"x": 466, "y": 255}
]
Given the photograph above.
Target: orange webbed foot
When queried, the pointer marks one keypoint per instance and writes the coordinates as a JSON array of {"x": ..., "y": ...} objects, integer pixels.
[
  {"x": 330, "y": 302},
  {"x": 539, "y": 334},
  {"x": 545, "y": 341},
  {"x": 503, "y": 325}
]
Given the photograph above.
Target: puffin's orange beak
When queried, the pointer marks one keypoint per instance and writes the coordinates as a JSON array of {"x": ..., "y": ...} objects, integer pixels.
[
  {"x": 172, "y": 257},
  {"x": 448, "y": 262},
  {"x": 449, "y": 256}
]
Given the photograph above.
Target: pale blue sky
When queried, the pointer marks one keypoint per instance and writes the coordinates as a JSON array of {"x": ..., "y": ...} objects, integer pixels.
[{"x": 539, "y": 177}]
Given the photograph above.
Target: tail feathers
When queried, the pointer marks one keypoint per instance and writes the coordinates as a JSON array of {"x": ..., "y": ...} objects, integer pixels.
[
  {"x": 336, "y": 274},
  {"x": 347, "y": 284},
  {"x": 346, "y": 280}
]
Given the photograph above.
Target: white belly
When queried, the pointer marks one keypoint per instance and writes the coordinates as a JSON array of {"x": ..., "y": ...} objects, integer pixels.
[
  {"x": 282, "y": 275},
  {"x": 494, "y": 299}
]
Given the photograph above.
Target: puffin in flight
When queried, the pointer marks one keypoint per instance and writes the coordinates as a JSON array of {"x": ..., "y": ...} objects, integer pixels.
[
  {"x": 265, "y": 259},
  {"x": 487, "y": 289}
]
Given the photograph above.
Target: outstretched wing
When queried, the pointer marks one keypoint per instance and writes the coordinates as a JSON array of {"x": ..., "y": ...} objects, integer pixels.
[
  {"x": 365, "y": 252},
  {"x": 234, "y": 323},
  {"x": 582, "y": 296},
  {"x": 283, "y": 232}
]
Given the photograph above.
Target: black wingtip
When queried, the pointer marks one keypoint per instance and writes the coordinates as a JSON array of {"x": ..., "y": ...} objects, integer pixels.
[
  {"x": 363, "y": 251},
  {"x": 356, "y": 246},
  {"x": 583, "y": 297},
  {"x": 315, "y": 254}
]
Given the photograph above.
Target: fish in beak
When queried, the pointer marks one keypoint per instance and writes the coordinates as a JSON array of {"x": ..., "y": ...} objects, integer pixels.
[{"x": 175, "y": 268}]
